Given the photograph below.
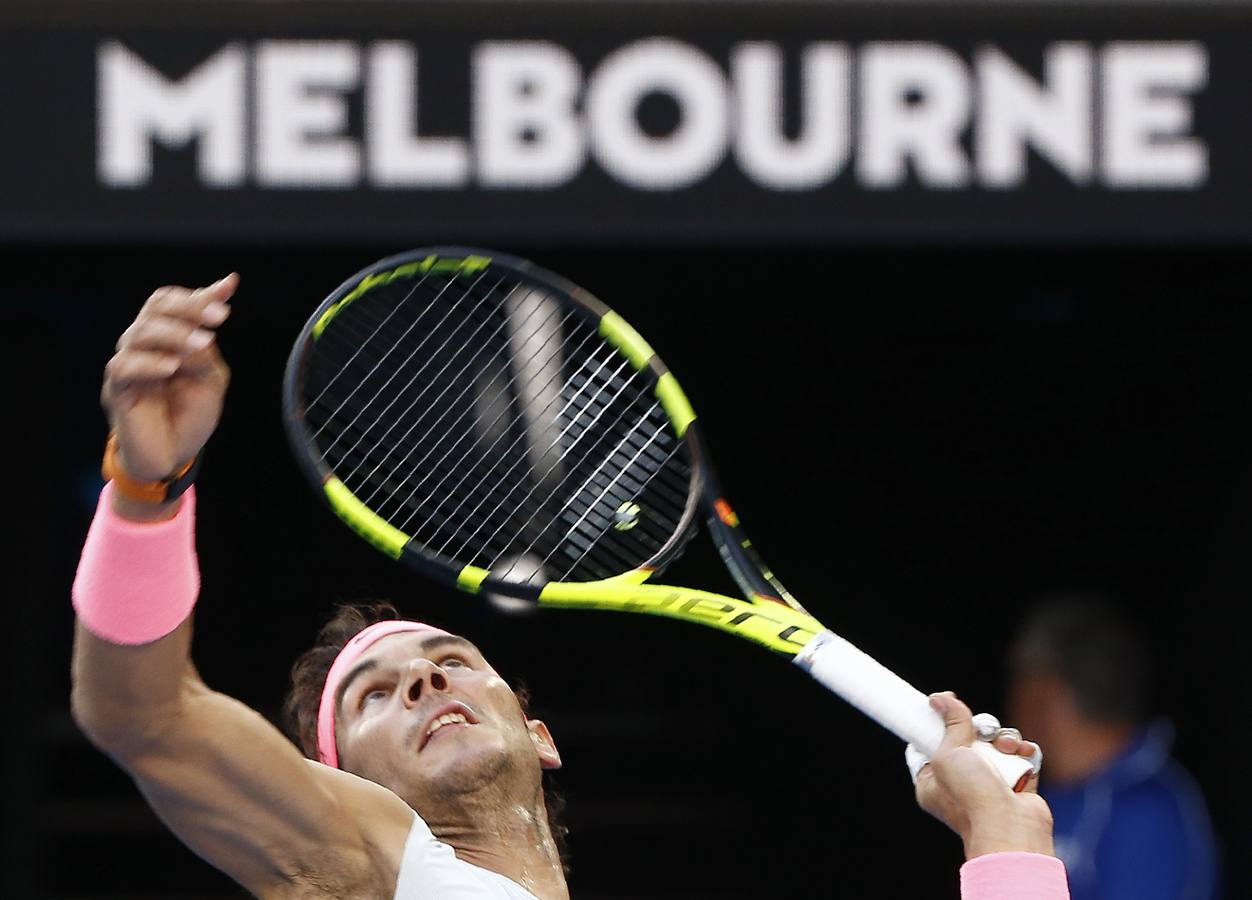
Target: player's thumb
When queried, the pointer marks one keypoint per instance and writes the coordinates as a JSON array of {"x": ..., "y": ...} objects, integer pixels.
[{"x": 958, "y": 721}]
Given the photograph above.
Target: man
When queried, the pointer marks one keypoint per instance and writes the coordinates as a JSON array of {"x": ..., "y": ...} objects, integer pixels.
[
  {"x": 1130, "y": 822},
  {"x": 427, "y": 780}
]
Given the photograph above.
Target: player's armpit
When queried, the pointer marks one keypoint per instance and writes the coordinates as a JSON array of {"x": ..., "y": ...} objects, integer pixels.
[
  {"x": 228, "y": 783},
  {"x": 241, "y": 796}
]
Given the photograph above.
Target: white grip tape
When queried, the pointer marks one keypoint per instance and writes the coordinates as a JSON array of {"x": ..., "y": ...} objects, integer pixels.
[
  {"x": 889, "y": 700},
  {"x": 1013, "y": 769}
]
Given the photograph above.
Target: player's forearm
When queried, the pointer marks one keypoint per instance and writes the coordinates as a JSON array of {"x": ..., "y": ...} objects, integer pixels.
[
  {"x": 123, "y": 697},
  {"x": 1010, "y": 856},
  {"x": 1019, "y": 829}
]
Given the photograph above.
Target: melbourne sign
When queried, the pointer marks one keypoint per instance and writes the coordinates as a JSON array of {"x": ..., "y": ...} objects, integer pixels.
[{"x": 826, "y": 132}]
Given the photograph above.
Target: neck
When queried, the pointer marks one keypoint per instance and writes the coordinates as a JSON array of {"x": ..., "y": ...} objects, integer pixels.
[
  {"x": 1087, "y": 749},
  {"x": 508, "y": 837}
]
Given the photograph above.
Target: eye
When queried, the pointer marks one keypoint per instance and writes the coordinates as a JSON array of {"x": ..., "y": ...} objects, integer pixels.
[
  {"x": 372, "y": 696},
  {"x": 455, "y": 662}
]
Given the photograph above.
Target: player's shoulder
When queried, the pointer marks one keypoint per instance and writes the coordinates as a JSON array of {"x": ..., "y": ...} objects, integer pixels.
[
  {"x": 364, "y": 860},
  {"x": 371, "y": 808}
]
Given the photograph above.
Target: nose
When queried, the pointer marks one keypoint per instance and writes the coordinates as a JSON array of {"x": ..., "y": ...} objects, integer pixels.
[{"x": 422, "y": 676}]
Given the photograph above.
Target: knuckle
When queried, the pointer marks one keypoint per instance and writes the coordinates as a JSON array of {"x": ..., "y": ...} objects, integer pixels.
[
  {"x": 166, "y": 330},
  {"x": 128, "y": 333},
  {"x": 166, "y": 296},
  {"x": 157, "y": 295},
  {"x": 171, "y": 328}
]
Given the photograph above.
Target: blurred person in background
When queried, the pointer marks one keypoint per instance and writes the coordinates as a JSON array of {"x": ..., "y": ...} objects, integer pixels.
[{"x": 1130, "y": 822}]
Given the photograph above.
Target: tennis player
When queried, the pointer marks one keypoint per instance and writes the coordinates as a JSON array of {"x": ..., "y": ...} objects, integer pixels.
[{"x": 422, "y": 775}]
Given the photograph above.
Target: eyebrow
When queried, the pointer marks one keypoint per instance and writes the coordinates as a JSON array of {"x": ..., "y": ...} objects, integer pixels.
[{"x": 428, "y": 646}]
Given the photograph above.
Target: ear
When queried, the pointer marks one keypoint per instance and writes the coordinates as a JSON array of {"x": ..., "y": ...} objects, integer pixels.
[{"x": 545, "y": 747}]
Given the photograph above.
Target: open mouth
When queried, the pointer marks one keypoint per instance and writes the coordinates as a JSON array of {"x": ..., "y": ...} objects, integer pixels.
[{"x": 453, "y": 716}]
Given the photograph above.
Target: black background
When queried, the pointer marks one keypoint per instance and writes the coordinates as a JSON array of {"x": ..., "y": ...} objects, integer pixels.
[{"x": 916, "y": 438}]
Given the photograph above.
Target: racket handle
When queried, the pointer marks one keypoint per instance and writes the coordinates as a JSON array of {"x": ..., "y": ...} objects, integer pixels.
[{"x": 892, "y": 702}]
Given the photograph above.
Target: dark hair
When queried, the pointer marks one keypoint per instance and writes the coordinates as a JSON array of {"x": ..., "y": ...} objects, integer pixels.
[
  {"x": 308, "y": 676},
  {"x": 1086, "y": 641}
]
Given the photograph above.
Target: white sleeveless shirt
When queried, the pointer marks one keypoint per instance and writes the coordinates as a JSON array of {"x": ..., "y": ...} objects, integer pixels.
[{"x": 430, "y": 870}]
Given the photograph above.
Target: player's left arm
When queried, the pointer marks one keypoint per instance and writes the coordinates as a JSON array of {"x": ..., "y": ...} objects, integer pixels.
[{"x": 1007, "y": 834}]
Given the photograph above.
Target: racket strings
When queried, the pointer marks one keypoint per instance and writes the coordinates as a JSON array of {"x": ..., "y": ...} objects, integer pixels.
[
  {"x": 451, "y": 468},
  {"x": 585, "y": 427},
  {"x": 358, "y": 441},
  {"x": 490, "y": 422},
  {"x": 675, "y": 495},
  {"x": 360, "y": 344},
  {"x": 448, "y": 501},
  {"x": 585, "y": 532},
  {"x": 524, "y": 481},
  {"x": 593, "y": 449},
  {"x": 484, "y": 491},
  {"x": 348, "y": 334},
  {"x": 492, "y": 515},
  {"x": 448, "y": 409},
  {"x": 400, "y": 448},
  {"x": 608, "y": 523},
  {"x": 403, "y": 365},
  {"x": 500, "y": 455},
  {"x": 353, "y": 442}
]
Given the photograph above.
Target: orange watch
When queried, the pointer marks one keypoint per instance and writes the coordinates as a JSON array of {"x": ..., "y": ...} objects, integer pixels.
[{"x": 163, "y": 491}]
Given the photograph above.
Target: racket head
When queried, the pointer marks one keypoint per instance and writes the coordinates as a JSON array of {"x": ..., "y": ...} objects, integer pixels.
[{"x": 492, "y": 424}]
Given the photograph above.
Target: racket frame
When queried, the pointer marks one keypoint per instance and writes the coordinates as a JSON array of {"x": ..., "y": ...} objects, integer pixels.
[{"x": 769, "y": 615}]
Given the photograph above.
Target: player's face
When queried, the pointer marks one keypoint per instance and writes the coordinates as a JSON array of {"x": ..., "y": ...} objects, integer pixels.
[{"x": 426, "y": 715}]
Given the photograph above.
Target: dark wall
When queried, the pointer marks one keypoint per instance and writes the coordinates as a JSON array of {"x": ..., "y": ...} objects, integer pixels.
[{"x": 916, "y": 440}]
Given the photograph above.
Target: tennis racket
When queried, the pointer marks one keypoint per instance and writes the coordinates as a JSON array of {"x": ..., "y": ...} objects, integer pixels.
[{"x": 499, "y": 429}]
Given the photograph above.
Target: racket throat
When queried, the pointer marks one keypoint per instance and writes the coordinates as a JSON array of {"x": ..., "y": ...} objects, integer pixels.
[{"x": 750, "y": 573}]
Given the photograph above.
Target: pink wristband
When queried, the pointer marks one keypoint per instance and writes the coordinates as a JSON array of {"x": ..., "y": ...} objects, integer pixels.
[
  {"x": 1014, "y": 876},
  {"x": 136, "y": 581}
]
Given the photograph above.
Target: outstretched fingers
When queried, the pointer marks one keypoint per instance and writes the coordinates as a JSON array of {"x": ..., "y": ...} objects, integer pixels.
[
  {"x": 182, "y": 317},
  {"x": 174, "y": 327},
  {"x": 205, "y": 305}
]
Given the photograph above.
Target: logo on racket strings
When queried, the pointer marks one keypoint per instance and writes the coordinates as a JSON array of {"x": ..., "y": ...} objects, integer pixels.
[{"x": 626, "y": 516}]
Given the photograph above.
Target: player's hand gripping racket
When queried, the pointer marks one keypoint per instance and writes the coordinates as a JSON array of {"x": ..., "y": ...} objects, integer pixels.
[{"x": 500, "y": 429}]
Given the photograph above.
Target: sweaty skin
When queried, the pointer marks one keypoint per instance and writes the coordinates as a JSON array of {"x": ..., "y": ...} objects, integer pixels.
[
  {"x": 242, "y": 796},
  {"x": 468, "y": 780}
]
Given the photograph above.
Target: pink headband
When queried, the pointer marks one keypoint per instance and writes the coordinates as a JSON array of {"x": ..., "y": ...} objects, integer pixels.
[{"x": 327, "y": 752}]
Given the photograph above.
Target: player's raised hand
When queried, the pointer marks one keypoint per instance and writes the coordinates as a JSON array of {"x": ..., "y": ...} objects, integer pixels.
[
  {"x": 164, "y": 387},
  {"x": 963, "y": 791}
]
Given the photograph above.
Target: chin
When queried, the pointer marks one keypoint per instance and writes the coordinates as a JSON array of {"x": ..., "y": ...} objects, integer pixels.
[{"x": 465, "y": 767}]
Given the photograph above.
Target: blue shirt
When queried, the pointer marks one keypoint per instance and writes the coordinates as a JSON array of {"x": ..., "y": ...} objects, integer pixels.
[{"x": 1138, "y": 830}]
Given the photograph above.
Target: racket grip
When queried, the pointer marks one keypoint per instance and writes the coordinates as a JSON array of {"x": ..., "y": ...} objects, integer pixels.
[
  {"x": 891, "y": 701},
  {"x": 1015, "y": 770}
]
